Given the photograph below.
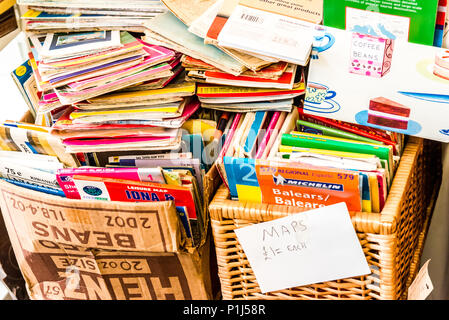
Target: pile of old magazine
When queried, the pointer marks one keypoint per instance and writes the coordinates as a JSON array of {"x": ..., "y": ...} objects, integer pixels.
[
  {"x": 112, "y": 112},
  {"x": 8, "y": 21},
  {"x": 156, "y": 93}
]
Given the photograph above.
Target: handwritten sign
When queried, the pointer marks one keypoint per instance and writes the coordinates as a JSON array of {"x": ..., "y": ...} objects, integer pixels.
[
  {"x": 422, "y": 286},
  {"x": 310, "y": 247}
]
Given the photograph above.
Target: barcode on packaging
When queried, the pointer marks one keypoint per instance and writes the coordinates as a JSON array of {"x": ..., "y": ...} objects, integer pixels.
[{"x": 251, "y": 18}]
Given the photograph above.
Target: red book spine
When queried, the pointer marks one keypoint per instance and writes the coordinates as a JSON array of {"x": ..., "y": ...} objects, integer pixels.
[{"x": 367, "y": 133}]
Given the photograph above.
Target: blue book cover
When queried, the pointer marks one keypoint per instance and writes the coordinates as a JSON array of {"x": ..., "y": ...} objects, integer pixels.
[
  {"x": 365, "y": 192},
  {"x": 241, "y": 172},
  {"x": 254, "y": 132},
  {"x": 184, "y": 220},
  {"x": 36, "y": 187}
]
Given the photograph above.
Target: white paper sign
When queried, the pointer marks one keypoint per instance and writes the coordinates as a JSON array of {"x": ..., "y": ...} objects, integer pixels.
[
  {"x": 310, "y": 247},
  {"x": 422, "y": 286}
]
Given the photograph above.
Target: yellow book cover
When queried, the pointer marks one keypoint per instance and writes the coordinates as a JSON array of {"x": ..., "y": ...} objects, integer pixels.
[
  {"x": 31, "y": 14},
  {"x": 206, "y": 128},
  {"x": 35, "y": 13},
  {"x": 374, "y": 189},
  {"x": 184, "y": 89},
  {"x": 6, "y": 5}
]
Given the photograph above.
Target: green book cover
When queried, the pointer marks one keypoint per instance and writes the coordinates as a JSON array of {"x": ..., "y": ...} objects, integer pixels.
[
  {"x": 407, "y": 20},
  {"x": 326, "y": 131},
  {"x": 331, "y": 143}
]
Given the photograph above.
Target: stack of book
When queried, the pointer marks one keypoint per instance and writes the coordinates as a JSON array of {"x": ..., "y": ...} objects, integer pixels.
[
  {"x": 105, "y": 98},
  {"x": 229, "y": 80},
  {"x": 77, "y": 66}
]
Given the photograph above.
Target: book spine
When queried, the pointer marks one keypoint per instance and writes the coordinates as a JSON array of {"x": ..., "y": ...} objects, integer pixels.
[
  {"x": 327, "y": 131},
  {"x": 230, "y": 135},
  {"x": 368, "y": 133},
  {"x": 310, "y": 142},
  {"x": 271, "y": 126},
  {"x": 161, "y": 156},
  {"x": 254, "y": 131}
]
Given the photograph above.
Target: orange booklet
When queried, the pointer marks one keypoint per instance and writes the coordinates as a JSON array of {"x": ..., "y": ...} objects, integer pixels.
[{"x": 307, "y": 187}]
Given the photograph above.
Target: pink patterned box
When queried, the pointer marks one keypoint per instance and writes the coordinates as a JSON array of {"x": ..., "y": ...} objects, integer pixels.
[{"x": 370, "y": 56}]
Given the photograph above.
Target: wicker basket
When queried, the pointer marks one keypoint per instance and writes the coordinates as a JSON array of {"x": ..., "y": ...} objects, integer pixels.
[{"x": 392, "y": 240}]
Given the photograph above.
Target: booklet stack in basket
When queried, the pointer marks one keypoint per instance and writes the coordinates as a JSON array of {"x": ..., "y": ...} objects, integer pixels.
[{"x": 308, "y": 162}]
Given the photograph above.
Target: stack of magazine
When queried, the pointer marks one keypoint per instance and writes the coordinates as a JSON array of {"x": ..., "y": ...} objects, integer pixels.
[
  {"x": 115, "y": 117},
  {"x": 228, "y": 82},
  {"x": 307, "y": 161}
]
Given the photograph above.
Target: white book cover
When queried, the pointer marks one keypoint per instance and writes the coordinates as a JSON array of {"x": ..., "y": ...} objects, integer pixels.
[
  {"x": 60, "y": 45},
  {"x": 269, "y": 34}
]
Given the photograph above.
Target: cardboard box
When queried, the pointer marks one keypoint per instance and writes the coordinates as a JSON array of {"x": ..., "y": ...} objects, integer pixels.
[{"x": 11, "y": 279}]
